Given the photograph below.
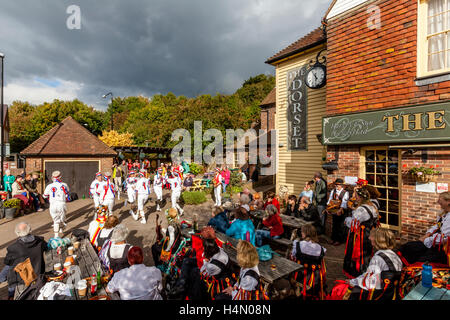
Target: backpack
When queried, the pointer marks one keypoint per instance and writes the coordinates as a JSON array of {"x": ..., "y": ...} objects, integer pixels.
[{"x": 265, "y": 253}]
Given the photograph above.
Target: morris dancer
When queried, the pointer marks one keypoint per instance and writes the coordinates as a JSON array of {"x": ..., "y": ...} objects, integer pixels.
[
  {"x": 97, "y": 225},
  {"x": 339, "y": 194},
  {"x": 218, "y": 187},
  {"x": 143, "y": 192},
  {"x": 57, "y": 193},
  {"x": 131, "y": 191},
  {"x": 178, "y": 169},
  {"x": 158, "y": 182},
  {"x": 94, "y": 190},
  {"x": 175, "y": 185},
  {"x": 107, "y": 193}
]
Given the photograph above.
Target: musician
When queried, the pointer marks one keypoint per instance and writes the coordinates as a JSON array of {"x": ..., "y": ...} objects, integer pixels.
[
  {"x": 57, "y": 193},
  {"x": 374, "y": 195},
  {"x": 215, "y": 260},
  {"x": 338, "y": 196},
  {"x": 433, "y": 246},
  {"x": 218, "y": 187},
  {"x": 359, "y": 248}
]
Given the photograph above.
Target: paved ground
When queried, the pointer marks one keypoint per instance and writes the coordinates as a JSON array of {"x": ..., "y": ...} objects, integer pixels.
[{"x": 80, "y": 214}]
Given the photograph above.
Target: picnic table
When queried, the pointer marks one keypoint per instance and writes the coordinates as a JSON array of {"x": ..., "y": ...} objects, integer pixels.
[
  {"x": 433, "y": 293},
  {"x": 87, "y": 260},
  {"x": 288, "y": 221},
  {"x": 284, "y": 267}
]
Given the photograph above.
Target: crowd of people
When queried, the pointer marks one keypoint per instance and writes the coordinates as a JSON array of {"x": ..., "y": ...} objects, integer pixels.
[{"x": 372, "y": 263}]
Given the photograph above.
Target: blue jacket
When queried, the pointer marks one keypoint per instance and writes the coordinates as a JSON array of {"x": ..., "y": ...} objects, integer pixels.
[
  {"x": 239, "y": 229},
  {"x": 220, "y": 222}
]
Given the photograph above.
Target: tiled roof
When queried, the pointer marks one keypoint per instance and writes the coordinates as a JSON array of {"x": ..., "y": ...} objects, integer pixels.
[
  {"x": 270, "y": 99},
  {"x": 311, "y": 39},
  {"x": 68, "y": 138}
]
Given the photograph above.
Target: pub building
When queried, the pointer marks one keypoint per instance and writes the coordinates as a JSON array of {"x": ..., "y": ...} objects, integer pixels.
[{"x": 388, "y": 104}]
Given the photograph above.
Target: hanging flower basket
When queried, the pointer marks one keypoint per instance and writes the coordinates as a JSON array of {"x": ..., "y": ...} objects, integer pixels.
[{"x": 424, "y": 175}]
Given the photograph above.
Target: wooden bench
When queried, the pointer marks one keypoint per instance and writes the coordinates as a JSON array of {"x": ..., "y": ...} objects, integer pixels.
[{"x": 422, "y": 293}]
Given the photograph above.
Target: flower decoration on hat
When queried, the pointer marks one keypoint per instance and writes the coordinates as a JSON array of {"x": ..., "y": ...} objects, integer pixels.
[
  {"x": 362, "y": 182},
  {"x": 208, "y": 233}
]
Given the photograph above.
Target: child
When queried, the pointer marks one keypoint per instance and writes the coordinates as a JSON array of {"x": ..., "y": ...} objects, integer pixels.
[
  {"x": 273, "y": 222},
  {"x": 385, "y": 264},
  {"x": 219, "y": 220},
  {"x": 271, "y": 199},
  {"x": 248, "y": 283},
  {"x": 310, "y": 253}
]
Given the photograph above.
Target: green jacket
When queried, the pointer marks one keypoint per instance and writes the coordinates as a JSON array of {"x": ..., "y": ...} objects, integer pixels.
[
  {"x": 320, "y": 193},
  {"x": 8, "y": 181}
]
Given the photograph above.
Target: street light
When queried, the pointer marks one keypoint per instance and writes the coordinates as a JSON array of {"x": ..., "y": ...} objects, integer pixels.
[
  {"x": 2, "y": 56},
  {"x": 112, "y": 98}
]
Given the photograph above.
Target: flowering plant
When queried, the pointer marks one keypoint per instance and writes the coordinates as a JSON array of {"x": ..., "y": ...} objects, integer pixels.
[{"x": 424, "y": 174}]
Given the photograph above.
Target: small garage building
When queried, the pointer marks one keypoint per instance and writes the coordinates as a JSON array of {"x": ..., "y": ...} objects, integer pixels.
[{"x": 72, "y": 149}]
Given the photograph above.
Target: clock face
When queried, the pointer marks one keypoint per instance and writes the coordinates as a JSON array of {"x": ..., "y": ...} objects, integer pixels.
[{"x": 316, "y": 77}]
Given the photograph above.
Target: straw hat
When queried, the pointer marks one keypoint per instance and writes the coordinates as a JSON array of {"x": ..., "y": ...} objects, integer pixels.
[{"x": 56, "y": 174}]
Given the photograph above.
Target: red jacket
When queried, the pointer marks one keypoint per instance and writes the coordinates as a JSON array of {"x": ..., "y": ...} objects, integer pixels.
[
  {"x": 275, "y": 222},
  {"x": 274, "y": 202}
]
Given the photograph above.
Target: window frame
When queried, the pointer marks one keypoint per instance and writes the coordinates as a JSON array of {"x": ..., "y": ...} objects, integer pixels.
[
  {"x": 362, "y": 173},
  {"x": 422, "y": 43}
]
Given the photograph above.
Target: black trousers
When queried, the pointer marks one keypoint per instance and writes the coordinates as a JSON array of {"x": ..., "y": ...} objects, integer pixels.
[
  {"x": 416, "y": 251},
  {"x": 339, "y": 231}
]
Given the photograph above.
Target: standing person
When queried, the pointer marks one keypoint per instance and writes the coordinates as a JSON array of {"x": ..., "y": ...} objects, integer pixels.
[
  {"x": 320, "y": 196},
  {"x": 97, "y": 225},
  {"x": 218, "y": 179},
  {"x": 117, "y": 178},
  {"x": 8, "y": 180},
  {"x": 359, "y": 248},
  {"x": 143, "y": 192},
  {"x": 308, "y": 191},
  {"x": 94, "y": 190},
  {"x": 158, "y": 181},
  {"x": 136, "y": 165},
  {"x": 57, "y": 193},
  {"x": 131, "y": 191},
  {"x": 176, "y": 186},
  {"x": 124, "y": 170},
  {"x": 107, "y": 193},
  {"x": 339, "y": 194},
  {"x": 129, "y": 165},
  {"x": 226, "y": 174},
  {"x": 273, "y": 222}
]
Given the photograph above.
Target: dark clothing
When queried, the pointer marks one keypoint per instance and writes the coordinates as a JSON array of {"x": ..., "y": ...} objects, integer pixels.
[
  {"x": 188, "y": 182},
  {"x": 121, "y": 263},
  {"x": 31, "y": 247},
  {"x": 339, "y": 230},
  {"x": 416, "y": 251},
  {"x": 320, "y": 193},
  {"x": 292, "y": 212},
  {"x": 31, "y": 185},
  {"x": 220, "y": 222},
  {"x": 312, "y": 214}
]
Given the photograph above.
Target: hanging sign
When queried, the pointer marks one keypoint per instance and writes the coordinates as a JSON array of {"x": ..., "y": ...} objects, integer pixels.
[{"x": 297, "y": 109}]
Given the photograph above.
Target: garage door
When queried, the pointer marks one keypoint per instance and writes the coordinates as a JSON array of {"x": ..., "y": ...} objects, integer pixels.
[{"x": 77, "y": 175}]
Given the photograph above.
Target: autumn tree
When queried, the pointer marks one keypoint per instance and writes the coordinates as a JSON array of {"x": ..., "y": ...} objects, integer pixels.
[{"x": 115, "y": 139}]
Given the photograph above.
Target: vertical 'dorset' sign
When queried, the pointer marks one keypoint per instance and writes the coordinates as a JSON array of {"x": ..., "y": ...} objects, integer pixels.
[{"x": 297, "y": 109}]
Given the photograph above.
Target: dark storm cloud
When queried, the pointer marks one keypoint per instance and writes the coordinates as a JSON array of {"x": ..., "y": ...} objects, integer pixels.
[{"x": 149, "y": 46}]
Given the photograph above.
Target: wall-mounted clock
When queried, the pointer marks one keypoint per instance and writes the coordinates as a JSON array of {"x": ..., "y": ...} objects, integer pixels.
[{"x": 316, "y": 77}]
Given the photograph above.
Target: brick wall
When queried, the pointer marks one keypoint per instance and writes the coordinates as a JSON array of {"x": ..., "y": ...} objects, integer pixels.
[
  {"x": 268, "y": 113},
  {"x": 373, "y": 69}
]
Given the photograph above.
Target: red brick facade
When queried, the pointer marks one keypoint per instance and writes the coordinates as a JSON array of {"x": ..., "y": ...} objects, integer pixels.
[
  {"x": 373, "y": 69},
  {"x": 268, "y": 118},
  {"x": 377, "y": 69}
]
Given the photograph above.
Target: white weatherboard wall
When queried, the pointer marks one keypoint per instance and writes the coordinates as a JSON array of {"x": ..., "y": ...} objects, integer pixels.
[{"x": 343, "y": 5}]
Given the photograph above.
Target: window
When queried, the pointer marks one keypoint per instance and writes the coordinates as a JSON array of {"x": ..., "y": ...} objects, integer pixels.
[
  {"x": 433, "y": 37},
  {"x": 380, "y": 167}
]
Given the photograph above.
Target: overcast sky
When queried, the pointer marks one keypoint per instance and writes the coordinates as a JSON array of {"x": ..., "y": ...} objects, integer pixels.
[{"x": 134, "y": 47}]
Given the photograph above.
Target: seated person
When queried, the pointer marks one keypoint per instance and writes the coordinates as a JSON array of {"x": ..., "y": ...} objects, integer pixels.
[
  {"x": 273, "y": 222},
  {"x": 257, "y": 203},
  {"x": 137, "y": 282},
  {"x": 219, "y": 220},
  {"x": 106, "y": 232},
  {"x": 30, "y": 185},
  {"x": 242, "y": 227},
  {"x": 188, "y": 182},
  {"x": 292, "y": 207},
  {"x": 244, "y": 201},
  {"x": 215, "y": 260},
  {"x": 271, "y": 199},
  {"x": 249, "y": 277},
  {"x": 247, "y": 192},
  {"x": 385, "y": 264},
  {"x": 309, "y": 212},
  {"x": 430, "y": 246},
  {"x": 26, "y": 246},
  {"x": 308, "y": 251},
  {"x": 19, "y": 191},
  {"x": 97, "y": 225},
  {"x": 307, "y": 191},
  {"x": 118, "y": 252}
]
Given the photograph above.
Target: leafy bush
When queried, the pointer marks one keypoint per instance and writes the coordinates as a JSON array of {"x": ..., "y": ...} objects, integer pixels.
[
  {"x": 194, "y": 197},
  {"x": 236, "y": 189},
  {"x": 235, "y": 178},
  {"x": 196, "y": 169},
  {"x": 12, "y": 203}
]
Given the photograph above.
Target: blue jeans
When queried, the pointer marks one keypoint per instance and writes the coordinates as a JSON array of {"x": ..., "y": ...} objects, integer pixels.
[
  {"x": 35, "y": 201},
  {"x": 224, "y": 185},
  {"x": 260, "y": 235}
]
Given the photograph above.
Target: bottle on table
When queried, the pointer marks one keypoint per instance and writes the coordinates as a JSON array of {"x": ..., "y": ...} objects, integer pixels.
[
  {"x": 427, "y": 275},
  {"x": 94, "y": 284}
]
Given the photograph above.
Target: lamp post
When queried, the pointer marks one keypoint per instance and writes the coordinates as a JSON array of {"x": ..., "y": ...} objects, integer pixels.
[
  {"x": 2, "y": 56},
  {"x": 112, "y": 112}
]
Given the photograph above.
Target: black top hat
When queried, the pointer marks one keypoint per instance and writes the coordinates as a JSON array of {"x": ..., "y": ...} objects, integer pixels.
[{"x": 339, "y": 181}]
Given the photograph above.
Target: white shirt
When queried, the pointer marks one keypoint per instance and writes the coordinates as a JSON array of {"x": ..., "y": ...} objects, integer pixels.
[
  {"x": 158, "y": 181},
  {"x": 131, "y": 183},
  {"x": 438, "y": 237},
  {"x": 175, "y": 183},
  {"x": 211, "y": 269},
  {"x": 143, "y": 186},
  {"x": 308, "y": 247},
  {"x": 247, "y": 283},
  {"x": 94, "y": 190},
  {"x": 360, "y": 214},
  {"x": 338, "y": 193},
  {"x": 373, "y": 273},
  {"x": 107, "y": 190},
  {"x": 116, "y": 250},
  {"x": 137, "y": 282},
  {"x": 55, "y": 192}
]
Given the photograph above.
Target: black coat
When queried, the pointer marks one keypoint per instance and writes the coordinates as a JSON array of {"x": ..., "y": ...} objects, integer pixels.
[
  {"x": 293, "y": 213},
  {"x": 312, "y": 214},
  {"x": 19, "y": 251}
]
